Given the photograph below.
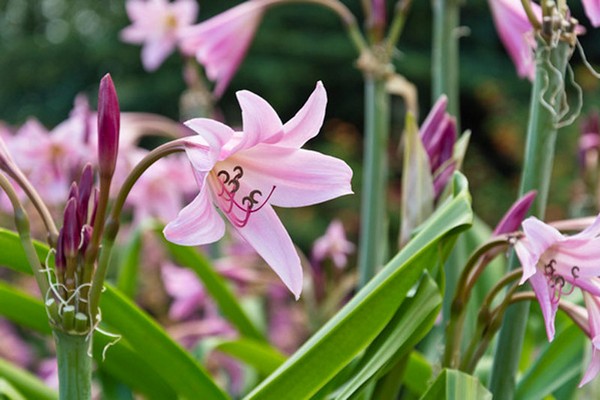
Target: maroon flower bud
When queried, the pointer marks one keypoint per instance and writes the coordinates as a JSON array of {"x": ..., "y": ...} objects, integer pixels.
[
  {"x": 85, "y": 238},
  {"x": 71, "y": 229},
  {"x": 59, "y": 259},
  {"x": 95, "y": 195},
  {"x": 73, "y": 191},
  {"x": 86, "y": 184},
  {"x": 511, "y": 221},
  {"x": 108, "y": 126}
]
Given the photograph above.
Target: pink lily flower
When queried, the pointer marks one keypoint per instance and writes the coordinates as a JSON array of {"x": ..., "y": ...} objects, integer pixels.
[
  {"x": 555, "y": 264},
  {"x": 246, "y": 173},
  {"x": 157, "y": 24},
  {"x": 592, "y": 304},
  {"x": 333, "y": 245},
  {"x": 592, "y": 11},
  {"x": 221, "y": 42},
  {"x": 516, "y": 33}
]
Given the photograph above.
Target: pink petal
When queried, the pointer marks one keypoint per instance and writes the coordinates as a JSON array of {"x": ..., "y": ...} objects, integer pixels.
[
  {"x": 300, "y": 177},
  {"x": 197, "y": 223},
  {"x": 265, "y": 232},
  {"x": 261, "y": 124},
  {"x": 593, "y": 307},
  {"x": 204, "y": 150},
  {"x": 515, "y": 32},
  {"x": 592, "y": 11},
  {"x": 542, "y": 292},
  {"x": 185, "y": 11},
  {"x": 156, "y": 51},
  {"x": 540, "y": 235},
  {"x": 308, "y": 120}
]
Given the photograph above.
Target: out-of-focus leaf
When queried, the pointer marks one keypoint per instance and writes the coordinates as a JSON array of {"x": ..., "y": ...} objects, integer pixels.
[
  {"x": 417, "y": 182},
  {"x": 354, "y": 328},
  {"x": 418, "y": 373},
  {"x": 411, "y": 323},
  {"x": 558, "y": 363},
  {"x": 453, "y": 385},
  {"x": 17, "y": 384},
  {"x": 129, "y": 264},
  {"x": 217, "y": 287},
  {"x": 265, "y": 359},
  {"x": 13, "y": 255},
  {"x": 460, "y": 148}
]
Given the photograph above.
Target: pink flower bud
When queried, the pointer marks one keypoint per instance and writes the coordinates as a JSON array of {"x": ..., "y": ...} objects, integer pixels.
[
  {"x": 71, "y": 232},
  {"x": 511, "y": 221},
  {"x": 108, "y": 126}
]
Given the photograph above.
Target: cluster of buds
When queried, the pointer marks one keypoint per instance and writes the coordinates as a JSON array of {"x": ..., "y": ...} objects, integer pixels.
[{"x": 72, "y": 275}]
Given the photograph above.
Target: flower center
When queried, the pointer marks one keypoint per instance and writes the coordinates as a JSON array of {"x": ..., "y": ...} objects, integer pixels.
[
  {"x": 557, "y": 283},
  {"x": 238, "y": 211}
]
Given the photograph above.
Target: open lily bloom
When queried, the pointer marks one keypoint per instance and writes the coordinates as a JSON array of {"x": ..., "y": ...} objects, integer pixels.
[
  {"x": 516, "y": 33},
  {"x": 555, "y": 264},
  {"x": 246, "y": 173},
  {"x": 221, "y": 42},
  {"x": 156, "y": 24}
]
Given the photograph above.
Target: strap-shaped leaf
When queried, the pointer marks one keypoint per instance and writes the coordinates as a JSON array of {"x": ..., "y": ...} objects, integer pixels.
[
  {"x": 17, "y": 383},
  {"x": 452, "y": 384},
  {"x": 352, "y": 329},
  {"x": 410, "y": 324}
]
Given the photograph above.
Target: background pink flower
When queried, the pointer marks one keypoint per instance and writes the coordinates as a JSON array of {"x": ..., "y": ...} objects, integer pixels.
[{"x": 157, "y": 24}]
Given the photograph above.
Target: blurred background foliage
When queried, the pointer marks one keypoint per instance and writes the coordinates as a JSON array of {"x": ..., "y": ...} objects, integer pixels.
[{"x": 51, "y": 50}]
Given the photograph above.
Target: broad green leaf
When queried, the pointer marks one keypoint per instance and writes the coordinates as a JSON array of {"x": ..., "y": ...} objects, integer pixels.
[
  {"x": 410, "y": 324},
  {"x": 265, "y": 359},
  {"x": 122, "y": 362},
  {"x": 418, "y": 373},
  {"x": 417, "y": 182},
  {"x": 217, "y": 287},
  {"x": 13, "y": 255},
  {"x": 155, "y": 347},
  {"x": 17, "y": 383},
  {"x": 149, "y": 341},
  {"x": 558, "y": 363},
  {"x": 353, "y": 329},
  {"x": 453, "y": 385},
  {"x": 129, "y": 264}
]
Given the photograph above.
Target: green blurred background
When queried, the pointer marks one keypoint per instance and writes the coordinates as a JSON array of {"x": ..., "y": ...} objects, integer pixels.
[{"x": 51, "y": 50}]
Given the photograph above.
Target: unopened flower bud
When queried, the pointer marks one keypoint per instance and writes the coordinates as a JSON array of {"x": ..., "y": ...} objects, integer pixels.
[
  {"x": 71, "y": 229},
  {"x": 108, "y": 126},
  {"x": 511, "y": 221}
]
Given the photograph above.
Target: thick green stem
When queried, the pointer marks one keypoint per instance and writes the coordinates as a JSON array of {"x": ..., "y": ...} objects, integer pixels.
[
  {"x": 74, "y": 366},
  {"x": 545, "y": 107},
  {"x": 373, "y": 235},
  {"x": 445, "y": 69}
]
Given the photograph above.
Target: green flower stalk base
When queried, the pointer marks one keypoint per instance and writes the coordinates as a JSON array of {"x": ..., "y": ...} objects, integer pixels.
[
  {"x": 545, "y": 110},
  {"x": 74, "y": 365}
]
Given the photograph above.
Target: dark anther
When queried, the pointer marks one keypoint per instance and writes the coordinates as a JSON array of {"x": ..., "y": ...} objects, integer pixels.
[
  {"x": 224, "y": 173},
  {"x": 549, "y": 268},
  {"x": 574, "y": 272},
  {"x": 250, "y": 200},
  {"x": 560, "y": 281}
]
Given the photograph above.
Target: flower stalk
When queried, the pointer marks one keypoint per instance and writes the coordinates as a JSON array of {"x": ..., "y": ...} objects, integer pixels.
[
  {"x": 545, "y": 110},
  {"x": 74, "y": 365},
  {"x": 372, "y": 242}
]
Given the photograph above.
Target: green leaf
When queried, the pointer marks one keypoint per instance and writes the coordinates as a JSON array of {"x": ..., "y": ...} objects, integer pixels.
[
  {"x": 256, "y": 354},
  {"x": 353, "y": 329},
  {"x": 410, "y": 324},
  {"x": 155, "y": 347},
  {"x": 453, "y": 384},
  {"x": 556, "y": 365},
  {"x": 13, "y": 255},
  {"x": 129, "y": 264},
  {"x": 217, "y": 287},
  {"x": 17, "y": 383},
  {"x": 418, "y": 373},
  {"x": 417, "y": 182}
]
